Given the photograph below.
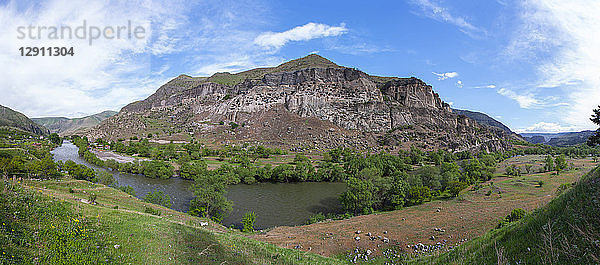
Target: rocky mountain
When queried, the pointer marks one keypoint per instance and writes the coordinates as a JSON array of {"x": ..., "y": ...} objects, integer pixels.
[
  {"x": 304, "y": 104},
  {"x": 65, "y": 126},
  {"x": 558, "y": 139},
  {"x": 483, "y": 119},
  {"x": 11, "y": 118}
]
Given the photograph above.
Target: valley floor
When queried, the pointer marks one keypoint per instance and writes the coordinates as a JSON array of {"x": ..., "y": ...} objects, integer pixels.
[
  {"x": 445, "y": 223},
  {"x": 106, "y": 155}
]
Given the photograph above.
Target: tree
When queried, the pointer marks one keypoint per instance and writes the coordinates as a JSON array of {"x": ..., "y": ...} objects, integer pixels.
[
  {"x": 210, "y": 200},
  {"x": 450, "y": 173},
  {"x": 192, "y": 169},
  {"x": 454, "y": 187},
  {"x": 104, "y": 177},
  {"x": 594, "y": 140},
  {"x": 358, "y": 196},
  {"x": 55, "y": 139},
  {"x": 513, "y": 170},
  {"x": 158, "y": 197},
  {"x": 560, "y": 163},
  {"x": 548, "y": 164},
  {"x": 418, "y": 195}
]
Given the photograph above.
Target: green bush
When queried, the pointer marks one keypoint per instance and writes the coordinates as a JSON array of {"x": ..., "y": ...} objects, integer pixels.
[
  {"x": 158, "y": 197},
  {"x": 515, "y": 215},
  {"x": 315, "y": 218},
  {"x": 128, "y": 189},
  {"x": 152, "y": 211},
  {"x": 248, "y": 222}
]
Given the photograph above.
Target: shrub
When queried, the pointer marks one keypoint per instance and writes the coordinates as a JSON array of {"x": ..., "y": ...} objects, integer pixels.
[
  {"x": 128, "y": 189},
  {"x": 104, "y": 177},
  {"x": 513, "y": 170},
  {"x": 248, "y": 222},
  {"x": 563, "y": 187},
  {"x": 152, "y": 211},
  {"x": 515, "y": 215},
  {"x": 315, "y": 218},
  {"x": 249, "y": 180},
  {"x": 93, "y": 198},
  {"x": 454, "y": 187},
  {"x": 158, "y": 197},
  {"x": 418, "y": 195}
]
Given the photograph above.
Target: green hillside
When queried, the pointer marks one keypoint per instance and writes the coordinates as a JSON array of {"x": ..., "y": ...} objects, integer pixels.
[
  {"x": 66, "y": 126},
  {"x": 11, "y": 118},
  {"x": 566, "y": 231},
  {"x": 68, "y": 221}
]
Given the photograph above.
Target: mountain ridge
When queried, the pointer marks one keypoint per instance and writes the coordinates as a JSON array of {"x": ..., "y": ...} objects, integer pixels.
[
  {"x": 558, "y": 139},
  {"x": 12, "y": 118},
  {"x": 484, "y": 119},
  {"x": 68, "y": 126},
  {"x": 307, "y": 103}
]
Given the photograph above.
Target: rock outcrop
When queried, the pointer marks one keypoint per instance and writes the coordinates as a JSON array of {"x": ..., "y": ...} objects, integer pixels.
[{"x": 314, "y": 108}]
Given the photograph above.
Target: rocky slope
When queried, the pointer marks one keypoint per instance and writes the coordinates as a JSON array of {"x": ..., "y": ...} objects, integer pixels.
[
  {"x": 65, "y": 126},
  {"x": 483, "y": 119},
  {"x": 11, "y": 118},
  {"x": 305, "y": 104}
]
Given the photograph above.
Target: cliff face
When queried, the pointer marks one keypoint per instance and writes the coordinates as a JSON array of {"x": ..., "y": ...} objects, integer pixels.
[{"x": 316, "y": 108}]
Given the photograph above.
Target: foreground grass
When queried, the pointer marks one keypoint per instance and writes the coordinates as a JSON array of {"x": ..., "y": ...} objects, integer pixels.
[{"x": 117, "y": 230}]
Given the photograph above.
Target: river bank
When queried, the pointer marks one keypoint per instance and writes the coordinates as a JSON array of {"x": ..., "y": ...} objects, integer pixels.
[{"x": 275, "y": 204}]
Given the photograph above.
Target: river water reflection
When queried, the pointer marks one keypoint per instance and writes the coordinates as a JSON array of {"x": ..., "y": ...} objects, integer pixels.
[{"x": 275, "y": 204}]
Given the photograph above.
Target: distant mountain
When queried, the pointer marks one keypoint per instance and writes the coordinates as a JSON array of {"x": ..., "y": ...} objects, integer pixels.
[
  {"x": 66, "y": 126},
  {"x": 11, "y": 118},
  {"x": 483, "y": 119},
  {"x": 558, "y": 139},
  {"x": 309, "y": 103}
]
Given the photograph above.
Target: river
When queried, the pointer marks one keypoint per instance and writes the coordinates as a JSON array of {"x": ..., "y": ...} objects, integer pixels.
[{"x": 275, "y": 204}]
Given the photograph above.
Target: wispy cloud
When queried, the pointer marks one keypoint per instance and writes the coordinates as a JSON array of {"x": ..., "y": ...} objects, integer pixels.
[
  {"x": 525, "y": 100},
  {"x": 491, "y": 86},
  {"x": 444, "y": 76},
  {"x": 305, "y": 32},
  {"x": 562, "y": 36},
  {"x": 436, "y": 11},
  {"x": 546, "y": 127}
]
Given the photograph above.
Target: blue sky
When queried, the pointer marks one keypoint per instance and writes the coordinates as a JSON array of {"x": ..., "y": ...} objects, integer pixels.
[{"x": 533, "y": 65}]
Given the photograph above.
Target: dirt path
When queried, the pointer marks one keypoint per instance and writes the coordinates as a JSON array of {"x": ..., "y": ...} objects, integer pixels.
[{"x": 445, "y": 223}]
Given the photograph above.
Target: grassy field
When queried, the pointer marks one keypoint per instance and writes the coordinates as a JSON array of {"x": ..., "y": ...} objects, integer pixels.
[
  {"x": 477, "y": 210},
  {"x": 566, "y": 231},
  {"x": 124, "y": 233}
]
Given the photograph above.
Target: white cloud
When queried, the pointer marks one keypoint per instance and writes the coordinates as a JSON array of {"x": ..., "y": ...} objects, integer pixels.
[
  {"x": 444, "y": 76},
  {"x": 562, "y": 37},
  {"x": 434, "y": 10},
  {"x": 305, "y": 32},
  {"x": 107, "y": 74},
  {"x": 546, "y": 127},
  {"x": 459, "y": 84},
  {"x": 526, "y": 100},
  {"x": 491, "y": 86}
]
